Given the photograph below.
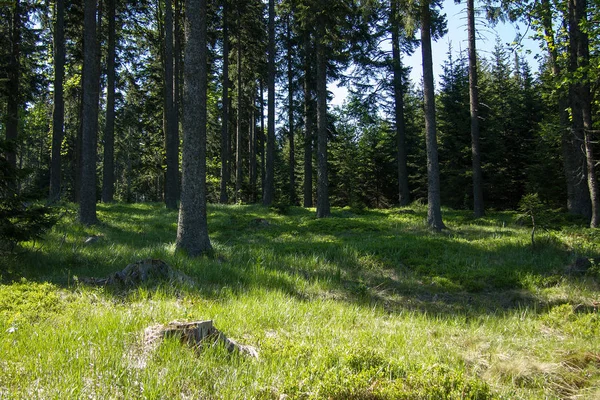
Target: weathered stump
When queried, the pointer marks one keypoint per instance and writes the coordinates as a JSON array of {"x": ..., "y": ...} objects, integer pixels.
[
  {"x": 195, "y": 334},
  {"x": 140, "y": 272}
]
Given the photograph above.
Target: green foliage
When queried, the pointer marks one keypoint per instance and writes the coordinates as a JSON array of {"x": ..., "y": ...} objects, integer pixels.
[
  {"x": 20, "y": 220},
  {"x": 29, "y": 302},
  {"x": 364, "y": 305},
  {"x": 533, "y": 209}
]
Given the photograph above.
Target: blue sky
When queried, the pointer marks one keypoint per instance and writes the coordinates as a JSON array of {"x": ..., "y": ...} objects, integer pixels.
[{"x": 457, "y": 36}]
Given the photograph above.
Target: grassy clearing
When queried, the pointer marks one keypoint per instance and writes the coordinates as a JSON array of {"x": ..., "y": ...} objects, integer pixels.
[{"x": 363, "y": 305}]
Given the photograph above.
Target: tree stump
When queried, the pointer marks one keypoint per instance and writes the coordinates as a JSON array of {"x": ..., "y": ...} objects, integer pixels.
[
  {"x": 140, "y": 272},
  {"x": 195, "y": 334}
]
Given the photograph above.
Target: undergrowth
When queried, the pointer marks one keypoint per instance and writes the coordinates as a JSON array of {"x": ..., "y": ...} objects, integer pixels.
[{"x": 367, "y": 304}]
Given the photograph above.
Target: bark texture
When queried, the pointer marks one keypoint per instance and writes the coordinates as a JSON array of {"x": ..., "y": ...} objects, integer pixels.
[
  {"x": 225, "y": 161},
  {"x": 14, "y": 72},
  {"x": 478, "y": 209},
  {"x": 269, "y": 184},
  {"x": 58, "y": 112},
  {"x": 403, "y": 188},
  {"x": 108, "y": 175},
  {"x": 308, "y": 123},
  {"x": 323, "y": 209},
  {"x": 434, "y": 212},
  {"x": 89, "y": 117},
  {"x": 192, "y": 227},
  {"x": 170, "y": 120}
]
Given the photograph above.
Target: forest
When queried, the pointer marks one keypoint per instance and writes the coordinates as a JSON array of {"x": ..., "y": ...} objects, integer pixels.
[
  {"x": 489, "y": 133},
  {"x": 187, "y": 210}
]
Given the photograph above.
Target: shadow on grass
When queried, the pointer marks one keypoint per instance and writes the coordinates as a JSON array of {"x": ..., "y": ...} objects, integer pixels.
[{"x": 382, "y": 258}]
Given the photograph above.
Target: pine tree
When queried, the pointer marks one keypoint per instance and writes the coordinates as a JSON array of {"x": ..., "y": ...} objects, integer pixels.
[
  {"x": 192, "y": 227},
  {"x": 89, "y": 118},
  {"x": 434, "y": 212},
  {"x": 58, "y": 114}
]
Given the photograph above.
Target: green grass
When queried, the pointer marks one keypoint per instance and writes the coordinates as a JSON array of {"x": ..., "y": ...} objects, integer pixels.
[{"x": 362, "y": 305}]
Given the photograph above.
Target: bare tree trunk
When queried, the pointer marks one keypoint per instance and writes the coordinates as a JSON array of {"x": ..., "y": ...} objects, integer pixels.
[
  {"x": 290, "y": 73},
  {"x": 323, "y": 209},
  {"x": 178, "y": 73},
  {"x": 434, "y": 211},
  {"x": 261, "y": 140},
  {"x": 108, "y": 176},
  {"x": 584, "y": 100},
  {"x": 308, "y": 122},
  {"x": 269, "y": 185},
  {"x": 171, "y": 131},
  {"x": 89, "y": 135},
  {"x": 58, "y": 114},
  {"x": 403, "y": 188},
  {"x": 252, "y": 150},
  {"x": 14, "y": 72},
  {"x": 580, "y": 202},
  {"x": 478, "y": 210},
  {"x": 238, "y": 137},
  {"x": 225, "y": 161},
  {"x": 192, "y": 227}
]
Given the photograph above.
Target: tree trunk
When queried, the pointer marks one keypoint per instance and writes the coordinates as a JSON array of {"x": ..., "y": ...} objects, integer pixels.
[
  {"x": 170, "y": 129},
  {"x": 89, "y": 132},
  {"x": 269, "y": 185},
  {"x": 323, "y": 210},
  {"x": 434, "y": 212},
  {"x": 238, "y": 137},
  {"x": 225, "y": 174},
  {"x": 580, "y": 198},
  {"x": 252, "y": 151},
  {"x": 584, "y": 100},
  {"x": 290, "y": 73},
  {"x": 14, "y": 72},
  {"x": 577, "y": 194},
  {"x": 261, "y": 140},
  {"x": 478, "y": 210},
  {"x": 108, "y": 176},
  {"x": 403, "y": 188},
  {"x": 308, "y": 122},
  {"x": 58, "y": 114},
  {"x": 177, "y": 70},
  {"x": 192, "y": 228}
]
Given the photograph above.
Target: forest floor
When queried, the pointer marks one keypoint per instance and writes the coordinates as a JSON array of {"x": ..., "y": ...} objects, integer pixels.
[{"x": 367, "y": 304}]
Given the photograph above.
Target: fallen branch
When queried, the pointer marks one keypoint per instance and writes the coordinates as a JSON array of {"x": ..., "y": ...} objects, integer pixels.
[{"x": 196, "y": 334}]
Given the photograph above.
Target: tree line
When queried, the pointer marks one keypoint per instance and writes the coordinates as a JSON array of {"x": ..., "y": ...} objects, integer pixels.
[{"x": 175, "y": 101}]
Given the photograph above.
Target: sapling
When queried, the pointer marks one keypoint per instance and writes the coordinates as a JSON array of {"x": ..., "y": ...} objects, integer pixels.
[{"x": 532, "y": 207}]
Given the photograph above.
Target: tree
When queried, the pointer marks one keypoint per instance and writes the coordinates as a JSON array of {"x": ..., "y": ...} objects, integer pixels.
[
  {"x": 290, "y": 76},
  {"x": 580, "y": 97},
  {"x": 225, "y": 145},
  {"x": 108, "y": 175},
  {"x": 478, "y": 210},
  {"x": 14, "y": 72},
  {"x": 192, "y": 227},
  {"x": 89, "y": 117},
  {"x": 238, "y": 133},
  {"x": 543, "y": 15},
  {"x": 58, "y": 114},
  {"x": 308, "y": 120},
  {"x": 403, "y": 187},
  {"x": 434, "y": 212},
  {"x": 269, "y": 183},
  {"x": 323, "y": 209},
  {"x": 170, "y": 119},
  {"x": 452, "y": 118},
  {"x": 19, "y": 222}
]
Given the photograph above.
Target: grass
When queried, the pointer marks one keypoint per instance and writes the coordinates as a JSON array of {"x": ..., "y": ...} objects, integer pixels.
[{"x": 363, "y": 305}]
